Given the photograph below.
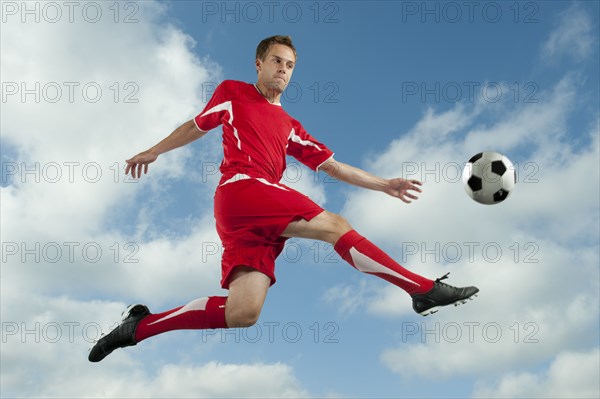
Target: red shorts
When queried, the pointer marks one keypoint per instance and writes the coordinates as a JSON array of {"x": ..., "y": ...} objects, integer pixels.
[{"x": 251, "y": 214}]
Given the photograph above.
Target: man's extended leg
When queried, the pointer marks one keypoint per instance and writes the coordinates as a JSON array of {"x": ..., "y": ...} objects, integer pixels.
[
  {"x": 427, "y": 295},
  {"x": 357, "y": 250},
  {"x": 247, "y": 292}
]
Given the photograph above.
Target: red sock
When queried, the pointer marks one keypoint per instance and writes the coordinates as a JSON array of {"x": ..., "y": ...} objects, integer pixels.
[
  {"x": 366, "y": 257},
  {"x": 200, "y": 314}
]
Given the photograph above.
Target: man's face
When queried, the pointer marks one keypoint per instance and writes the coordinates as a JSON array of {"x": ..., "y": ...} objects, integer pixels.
[{"x": 276, "y": 70}]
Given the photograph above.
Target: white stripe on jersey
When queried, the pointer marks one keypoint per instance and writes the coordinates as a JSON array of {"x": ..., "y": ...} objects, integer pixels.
[
  {"x": 322, "y": 163},
  {"x": 260, "y": 179},
  {"x": 237, "y": 177},
  {"x": 296, "y": 139},
  {"x": 241, "y": 176},
  {"x": 226, "y": 106}
]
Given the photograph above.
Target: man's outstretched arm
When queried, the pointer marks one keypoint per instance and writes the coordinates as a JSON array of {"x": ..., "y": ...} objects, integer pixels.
[
  {"x": 181, "y": 136},
  {"x": 397, "y": 187}
]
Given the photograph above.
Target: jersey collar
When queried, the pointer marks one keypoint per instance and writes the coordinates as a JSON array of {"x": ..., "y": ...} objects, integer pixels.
[{"x": 262, "y": 95}]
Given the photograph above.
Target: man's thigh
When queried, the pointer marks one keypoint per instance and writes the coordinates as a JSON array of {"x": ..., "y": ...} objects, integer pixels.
[
  {"x": 326, "y": 226},
  {"x": 248, "y": 288}
]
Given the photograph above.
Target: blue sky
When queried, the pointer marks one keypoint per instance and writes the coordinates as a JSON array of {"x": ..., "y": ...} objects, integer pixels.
[{"x": 396, "y": 88}]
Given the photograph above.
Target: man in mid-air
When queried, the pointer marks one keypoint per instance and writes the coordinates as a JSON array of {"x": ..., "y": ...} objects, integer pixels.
[{"x": 255, "y": 213}]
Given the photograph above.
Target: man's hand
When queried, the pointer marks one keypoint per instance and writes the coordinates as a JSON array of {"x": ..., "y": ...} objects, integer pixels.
[
  {"x": 400, "y": 188},
  {"x": 181, "y": 136},
  {"x": 140, "y": 161}
]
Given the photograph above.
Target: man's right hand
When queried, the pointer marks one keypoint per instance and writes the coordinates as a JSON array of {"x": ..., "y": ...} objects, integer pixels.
[
  {"x": 140, "y": 161},
  {"x": 181, "y": 136}
]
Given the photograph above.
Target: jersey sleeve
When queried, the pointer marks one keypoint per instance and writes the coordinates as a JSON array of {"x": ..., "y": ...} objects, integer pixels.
[
  {"x": 215, "y": 110},
  {"x": 306, "y": 149}
]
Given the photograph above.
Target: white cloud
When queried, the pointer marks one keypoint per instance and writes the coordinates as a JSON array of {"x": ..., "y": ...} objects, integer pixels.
[
  {"x": 67, "y": 208},
  {"x": 574, "y": 35},
  {"x": 47, "y": 357},
  {"x": 348, "y": 298},
  {"x": 210, "y": 380},
  {"x": 390, "y": 301},
  {"x": 300, "y": 178},
  {"x": 438, "y": 160},
  {"x": 479, "y": 340},
  {"x": 226, "y": 380},
  {"x": 67, "y": 218},
  {"x": 571, "y": 375},
  {"x": 75, "y": 139},
  {"x": 75, "y": 232},
  {"x": 44, "y": 354},
  {"x": 534, "y": 257}
]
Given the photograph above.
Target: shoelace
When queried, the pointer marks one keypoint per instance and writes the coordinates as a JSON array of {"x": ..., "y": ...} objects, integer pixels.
[{"x": 445, "y": 276}]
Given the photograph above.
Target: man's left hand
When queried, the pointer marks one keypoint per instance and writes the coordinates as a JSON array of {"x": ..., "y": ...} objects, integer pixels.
[{"x": 402, "y": 188}]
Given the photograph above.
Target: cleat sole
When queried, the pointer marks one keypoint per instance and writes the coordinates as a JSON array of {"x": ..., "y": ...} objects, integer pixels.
[{"x": 435, "y": 309}]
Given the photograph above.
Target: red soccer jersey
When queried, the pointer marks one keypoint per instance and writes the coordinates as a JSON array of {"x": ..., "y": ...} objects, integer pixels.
[{"x": 257, "y": 135}]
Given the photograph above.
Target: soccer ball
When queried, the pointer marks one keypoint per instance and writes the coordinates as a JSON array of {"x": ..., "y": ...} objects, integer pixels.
[{"x": 489, "y": 177}]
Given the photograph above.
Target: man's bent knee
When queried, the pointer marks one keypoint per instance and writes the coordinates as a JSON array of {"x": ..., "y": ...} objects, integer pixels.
[
  {"x": 244, "y": 316},
  {"x": 247, "y": 292},
  {"x": 341, "y": 224},
  {"x": 338, "y": 226}
]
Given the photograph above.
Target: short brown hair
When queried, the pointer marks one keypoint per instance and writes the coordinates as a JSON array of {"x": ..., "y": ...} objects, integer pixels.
[{"x": 265, "y": 45}]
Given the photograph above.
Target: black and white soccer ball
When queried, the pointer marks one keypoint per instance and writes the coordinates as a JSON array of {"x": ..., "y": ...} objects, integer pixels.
[{"x": 489, "y": 177}]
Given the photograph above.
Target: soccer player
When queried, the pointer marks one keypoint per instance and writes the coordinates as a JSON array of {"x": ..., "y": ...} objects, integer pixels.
[{"x": 255, "y": 213}]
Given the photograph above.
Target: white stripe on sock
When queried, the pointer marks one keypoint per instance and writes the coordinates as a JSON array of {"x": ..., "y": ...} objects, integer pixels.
[
  {"x": 368, "y": 265},
  {"x": 196, "y": 304}
]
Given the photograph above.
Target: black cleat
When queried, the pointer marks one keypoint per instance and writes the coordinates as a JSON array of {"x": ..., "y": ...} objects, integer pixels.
[
  {"x": 122, "y": 336},
  {"x": 441, "y": 295}
]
